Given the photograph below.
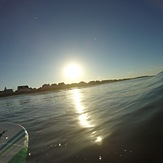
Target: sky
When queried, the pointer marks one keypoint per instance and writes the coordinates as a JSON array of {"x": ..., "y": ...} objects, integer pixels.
[{"x": 107, "y": 39}]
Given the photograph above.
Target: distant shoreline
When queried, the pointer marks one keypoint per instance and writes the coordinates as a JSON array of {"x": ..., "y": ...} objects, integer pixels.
[{"x": 59, "y": 86}]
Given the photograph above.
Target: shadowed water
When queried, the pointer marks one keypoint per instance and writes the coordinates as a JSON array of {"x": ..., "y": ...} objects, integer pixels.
[{"x": 119, "y": 122}]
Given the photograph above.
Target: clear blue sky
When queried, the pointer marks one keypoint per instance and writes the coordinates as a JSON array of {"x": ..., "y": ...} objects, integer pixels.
[{"x": 107, "y": 38}]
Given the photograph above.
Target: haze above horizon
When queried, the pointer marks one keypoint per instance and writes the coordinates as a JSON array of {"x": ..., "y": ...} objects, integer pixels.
[{"x": 46, "y": 41}]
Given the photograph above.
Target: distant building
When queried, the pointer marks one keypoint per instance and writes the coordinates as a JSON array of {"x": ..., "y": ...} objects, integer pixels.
[
  {"x": 23, "y": 88},
  {"x": 6, "y": 91}
]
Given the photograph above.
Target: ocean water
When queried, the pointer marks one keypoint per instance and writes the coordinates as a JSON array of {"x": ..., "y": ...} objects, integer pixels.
[{"x": 120, "y": 122}]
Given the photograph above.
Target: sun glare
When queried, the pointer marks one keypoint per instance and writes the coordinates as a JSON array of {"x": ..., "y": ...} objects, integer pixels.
[{"x": 72, "y": 72}]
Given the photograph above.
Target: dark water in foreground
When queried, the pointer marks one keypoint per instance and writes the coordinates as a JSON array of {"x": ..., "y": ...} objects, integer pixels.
[{"x": 117, "y": 123}]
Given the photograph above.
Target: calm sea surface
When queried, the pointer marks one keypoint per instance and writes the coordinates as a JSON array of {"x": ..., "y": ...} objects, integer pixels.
[{"x": 117, "y": 123}]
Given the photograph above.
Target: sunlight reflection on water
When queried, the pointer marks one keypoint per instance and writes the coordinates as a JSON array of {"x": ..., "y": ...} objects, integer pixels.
[
  {"x": 102, "y": 123},
  {"x": 84, "y": 117}
]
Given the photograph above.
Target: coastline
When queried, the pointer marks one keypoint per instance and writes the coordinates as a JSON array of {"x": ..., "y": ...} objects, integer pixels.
[{"x": 63, "y": 86}]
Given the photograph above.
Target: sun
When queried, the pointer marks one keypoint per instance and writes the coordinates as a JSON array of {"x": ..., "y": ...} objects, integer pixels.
[{"x": 72, "y": 72}]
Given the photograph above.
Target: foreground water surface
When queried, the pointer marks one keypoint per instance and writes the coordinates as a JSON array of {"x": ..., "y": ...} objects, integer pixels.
[{"x": 119, "y": 122}]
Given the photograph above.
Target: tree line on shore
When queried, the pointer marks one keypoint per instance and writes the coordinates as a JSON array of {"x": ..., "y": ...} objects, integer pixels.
[{"x": 52, "y": 87}]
